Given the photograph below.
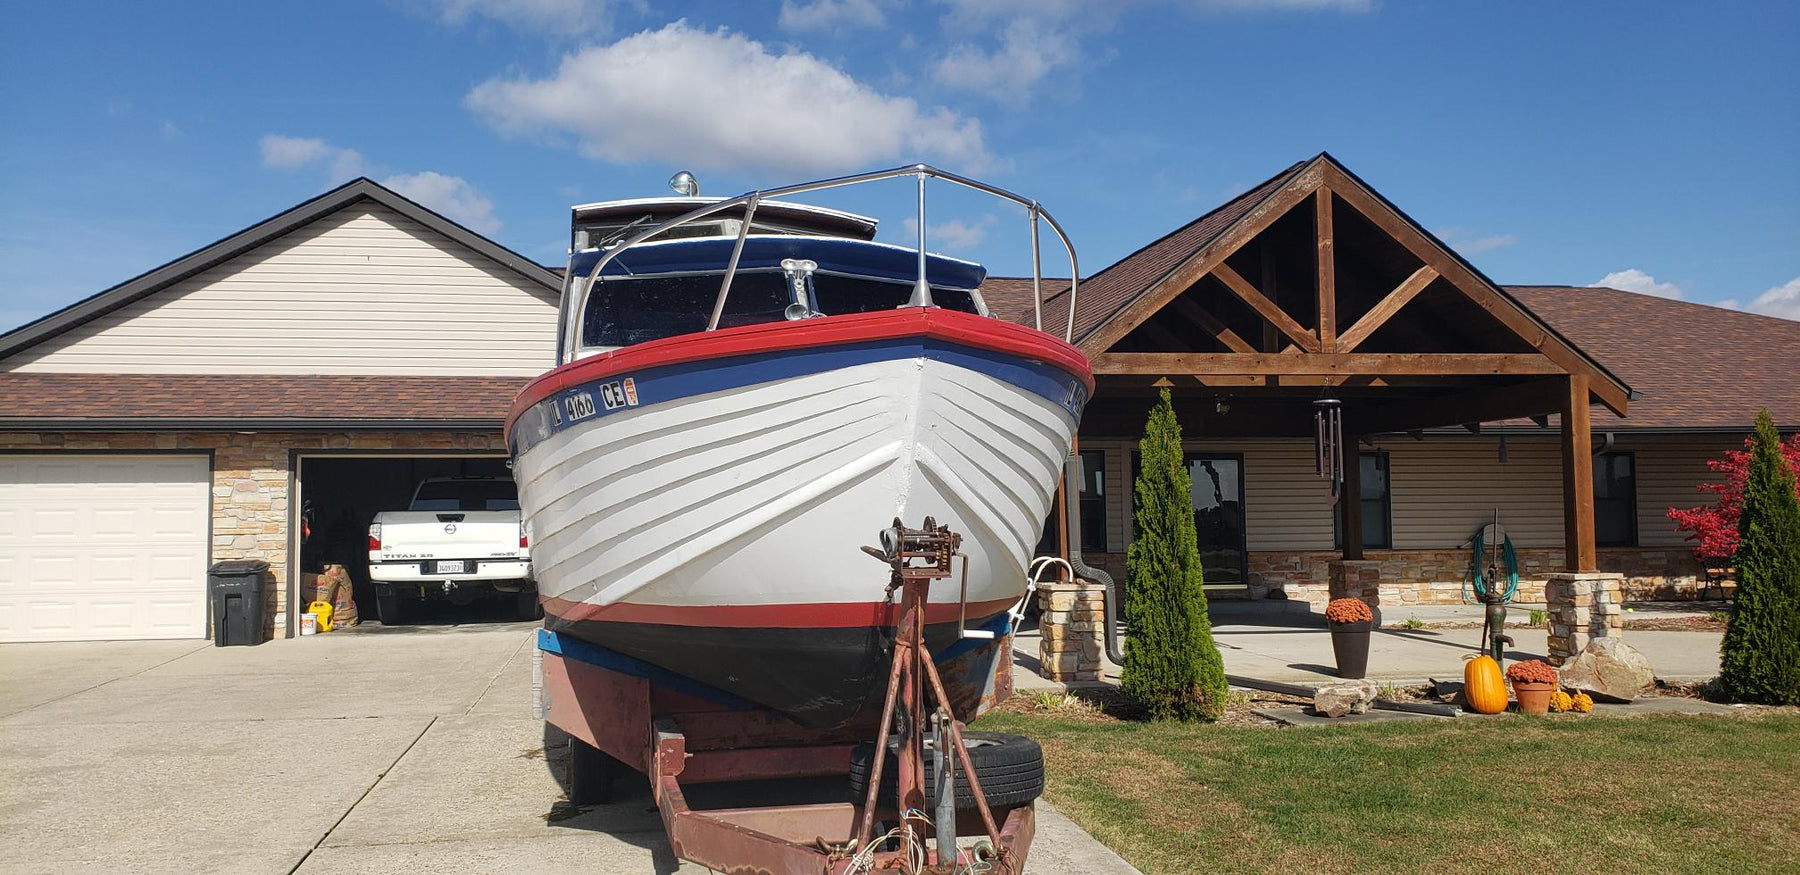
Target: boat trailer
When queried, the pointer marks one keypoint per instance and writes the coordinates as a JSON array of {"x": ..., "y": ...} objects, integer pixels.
[{"x": 628, "y": 714}]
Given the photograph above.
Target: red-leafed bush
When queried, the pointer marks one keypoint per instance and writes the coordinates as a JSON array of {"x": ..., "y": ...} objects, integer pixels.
[
  {"x": 1348, "y": 611},
  {"x": 1714, "y": 527},
  {"x": 1531, "y": 671}
]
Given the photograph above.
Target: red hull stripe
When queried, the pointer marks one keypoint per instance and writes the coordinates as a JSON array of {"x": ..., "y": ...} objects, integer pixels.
[
  {"x": 836, "y": 615},
  {"x": 924, "y": 322}
]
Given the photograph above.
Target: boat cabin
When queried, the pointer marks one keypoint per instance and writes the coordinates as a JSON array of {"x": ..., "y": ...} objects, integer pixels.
[{"x": 662, "y": 288}]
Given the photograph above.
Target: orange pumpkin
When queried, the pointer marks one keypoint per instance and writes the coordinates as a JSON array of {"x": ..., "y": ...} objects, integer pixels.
[{"x": 1483, "y": 689}]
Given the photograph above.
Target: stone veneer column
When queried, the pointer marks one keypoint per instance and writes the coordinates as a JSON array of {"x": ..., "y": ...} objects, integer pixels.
[
  {"x": 1071, "y": 630},
  {"x": 1583, "y": 605},
  {"x": 1357, "y": 579}
]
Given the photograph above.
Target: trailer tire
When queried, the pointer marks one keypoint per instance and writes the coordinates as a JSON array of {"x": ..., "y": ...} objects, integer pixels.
[
  {"x": 1011, "y": 769},
  {"x": 591, "y": 774}
]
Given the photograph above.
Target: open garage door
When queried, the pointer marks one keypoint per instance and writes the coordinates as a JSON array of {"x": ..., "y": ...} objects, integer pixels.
[
  {"x": 342, "y": 492},
  {"x": 103, "y": 547}
]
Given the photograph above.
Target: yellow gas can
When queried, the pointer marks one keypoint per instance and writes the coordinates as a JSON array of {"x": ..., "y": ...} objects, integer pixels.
[{"x": 322, "y": 610}]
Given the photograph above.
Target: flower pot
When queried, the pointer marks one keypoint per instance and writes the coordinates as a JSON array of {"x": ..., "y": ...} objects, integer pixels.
[
  {"x": 1534, "y": 698},
  {"x": 1350, "y": 643}
]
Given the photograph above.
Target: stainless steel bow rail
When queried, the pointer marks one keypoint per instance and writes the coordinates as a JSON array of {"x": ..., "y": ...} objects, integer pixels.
[{"x": 569, "y": 314}]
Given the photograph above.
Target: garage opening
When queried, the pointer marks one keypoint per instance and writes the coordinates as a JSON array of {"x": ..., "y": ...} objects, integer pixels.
[{"x": 467, "y": 503}]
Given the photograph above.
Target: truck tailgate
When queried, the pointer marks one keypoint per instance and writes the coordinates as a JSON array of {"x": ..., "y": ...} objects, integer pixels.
[{"x": 449, "y": 534}]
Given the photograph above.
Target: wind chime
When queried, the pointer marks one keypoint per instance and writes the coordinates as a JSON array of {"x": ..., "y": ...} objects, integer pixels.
[{"x": 1328, "y": 443}]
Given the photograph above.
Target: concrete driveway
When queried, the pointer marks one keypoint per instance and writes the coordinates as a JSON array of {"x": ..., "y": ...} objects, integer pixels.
[{"x": 385, "y": 750}]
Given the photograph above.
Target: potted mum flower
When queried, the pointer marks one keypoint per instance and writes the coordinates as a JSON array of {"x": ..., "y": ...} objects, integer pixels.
[
  {"x": 1533, "y": 681},
  {"x": 1350, "y": 621}
]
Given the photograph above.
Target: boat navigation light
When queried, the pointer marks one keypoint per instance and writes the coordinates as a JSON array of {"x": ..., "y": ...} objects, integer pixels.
[{"x": 685, "y": 184}]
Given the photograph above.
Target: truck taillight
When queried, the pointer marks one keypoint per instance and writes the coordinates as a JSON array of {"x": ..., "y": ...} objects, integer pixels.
[
  {"x": 374, "y": 537},
  {"x": 523, "y": 540}
]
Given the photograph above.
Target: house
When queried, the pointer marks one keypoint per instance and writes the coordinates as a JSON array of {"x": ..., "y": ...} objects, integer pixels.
[
  {"x": 265, "y": 395},
  {"x": 332, "y": 356},
  {"x": 1226, "y": 312}
]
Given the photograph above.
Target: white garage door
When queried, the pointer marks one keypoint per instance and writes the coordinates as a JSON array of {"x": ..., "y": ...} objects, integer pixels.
[{"x": 96, "y": 547}]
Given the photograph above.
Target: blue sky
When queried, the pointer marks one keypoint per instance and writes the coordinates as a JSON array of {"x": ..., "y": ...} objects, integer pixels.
[{"x": 1655, "y": 145}]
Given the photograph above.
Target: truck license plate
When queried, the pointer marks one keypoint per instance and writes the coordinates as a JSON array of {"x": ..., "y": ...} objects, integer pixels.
[{"x": 450, "y": 567}]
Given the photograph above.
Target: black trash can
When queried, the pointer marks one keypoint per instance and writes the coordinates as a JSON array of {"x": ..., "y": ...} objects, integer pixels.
[{"x": 240, "y": 589}]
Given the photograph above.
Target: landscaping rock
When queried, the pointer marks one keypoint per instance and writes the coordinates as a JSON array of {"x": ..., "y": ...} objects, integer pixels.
[
  {"x": 1337, "y": 700},
  {"x": 1609, "y": 670}
]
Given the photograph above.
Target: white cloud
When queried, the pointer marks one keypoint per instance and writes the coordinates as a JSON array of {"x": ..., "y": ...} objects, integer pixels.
[
  {"x": 294, "y": 153},
  {"x": 451, "y": 195},
  {"x": 1634, "y": 280},
  {"x": 1029, "y": 50},
  {"x": 956, "y": 235},
  {"x": 1782, "y": 301},
  {"x": 1282, "y": 5},
  {"x": 568, "y": 17},
  {"x": 715, "y": 100},
  {"x": 1468, "y": 242},
  {"x": 828, "y": 15}
]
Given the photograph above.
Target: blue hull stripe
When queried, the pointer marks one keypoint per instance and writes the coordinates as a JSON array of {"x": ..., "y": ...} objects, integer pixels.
[{"x": 628, "y": 391}]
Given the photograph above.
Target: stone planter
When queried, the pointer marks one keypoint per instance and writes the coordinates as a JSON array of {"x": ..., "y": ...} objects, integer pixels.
[
  {"x": 1534, "y": 698},
  {"x": 1350, "y": 644}
]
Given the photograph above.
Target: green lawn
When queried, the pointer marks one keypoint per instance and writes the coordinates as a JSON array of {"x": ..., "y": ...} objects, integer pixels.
[{"x": 1652, "y": 794}]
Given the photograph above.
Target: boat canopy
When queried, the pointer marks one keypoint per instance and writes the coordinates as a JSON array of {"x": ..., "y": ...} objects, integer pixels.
[{"x": 834, "y": 255}]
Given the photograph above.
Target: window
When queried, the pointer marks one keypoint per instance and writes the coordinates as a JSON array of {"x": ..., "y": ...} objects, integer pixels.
[
  {"x": 1377, "y": 506},
  {"x": 1615, "y": 500},
  {"x": 621, "y": 312},
  {"x": 1216, "y": 489},
  {"x": 1093, "y": 501},
  {"x": 1093, "y": 509},
  {"x": 466, "y": 495}
]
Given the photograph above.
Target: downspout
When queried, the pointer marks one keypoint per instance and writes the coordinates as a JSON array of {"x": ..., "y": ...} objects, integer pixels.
[{"x": 1072, "y": 513}]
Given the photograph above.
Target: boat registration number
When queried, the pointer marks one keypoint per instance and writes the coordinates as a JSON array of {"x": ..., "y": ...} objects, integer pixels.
[{"x": 452, "y": 567}]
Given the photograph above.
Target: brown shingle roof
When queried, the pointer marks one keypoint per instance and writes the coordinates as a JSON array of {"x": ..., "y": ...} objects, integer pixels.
[
  {"x": 1690, "y": 365},
  {"x": 259, "y": 400}
]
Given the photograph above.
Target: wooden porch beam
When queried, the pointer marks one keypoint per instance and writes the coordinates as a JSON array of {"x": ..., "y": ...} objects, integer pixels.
[
  {"x": 1386, "y": 308},
  {"x": 1350, "y": 498},
  {"x": 1578, "y": 477},
  {"x": 1325, "y": 364},
  {"x": 1268, "y": 309},
  {"x": 1531, "y": 398},
  {"x": 1186, "y": 307},
  {"x": 1473, "y": 286},
  {"x": 1327, "y": 286},
  {"x": 1264, "y": 214}
]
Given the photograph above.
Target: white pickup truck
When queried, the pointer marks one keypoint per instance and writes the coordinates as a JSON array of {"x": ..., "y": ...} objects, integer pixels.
[{"x": 461, "y": 539}]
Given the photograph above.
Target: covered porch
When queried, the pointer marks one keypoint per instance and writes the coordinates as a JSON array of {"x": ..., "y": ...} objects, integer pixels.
[{"x": 1312, "y": 287}]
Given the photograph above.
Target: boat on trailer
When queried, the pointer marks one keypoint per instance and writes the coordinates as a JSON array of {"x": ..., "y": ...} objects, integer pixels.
[{"x": 748, "y": 391}]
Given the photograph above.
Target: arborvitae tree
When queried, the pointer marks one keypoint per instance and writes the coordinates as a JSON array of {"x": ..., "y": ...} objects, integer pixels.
[
  {"x": 1760, "y": 659},
  {"x": 1172, "y": 668}
]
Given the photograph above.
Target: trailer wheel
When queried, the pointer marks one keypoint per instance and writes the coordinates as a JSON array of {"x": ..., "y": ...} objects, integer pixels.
[
  {"x": 387, "y": 607},
  {"x": 591, "y": 774},
  {"x": 1011, "y": 769}
]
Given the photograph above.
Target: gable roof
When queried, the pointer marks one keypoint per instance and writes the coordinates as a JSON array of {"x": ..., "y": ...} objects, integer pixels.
[
  {"x": 1690, "y": 366},
  {"x": 1104, "y": 294},
  {"x": 348, "y": 194}
]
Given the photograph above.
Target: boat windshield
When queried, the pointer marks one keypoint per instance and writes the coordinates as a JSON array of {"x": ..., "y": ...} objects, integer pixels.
[{"x": 623, "y": 311}]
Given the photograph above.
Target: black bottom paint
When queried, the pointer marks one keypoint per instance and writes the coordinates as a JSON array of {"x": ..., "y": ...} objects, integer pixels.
[{"x": 820, "y": 677}]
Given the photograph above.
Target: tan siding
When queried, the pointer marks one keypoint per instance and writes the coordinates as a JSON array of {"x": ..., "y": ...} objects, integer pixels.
[
  {"x": 1668, "y": 470},
  {"x": 1286, "y": 506},
  {"x": 1445, "y": 489},
  {"x": 361, "y": 291}
]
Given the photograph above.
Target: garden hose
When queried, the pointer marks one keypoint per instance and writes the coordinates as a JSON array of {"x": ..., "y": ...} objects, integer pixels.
[{"x": 1481, "y": 583}]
